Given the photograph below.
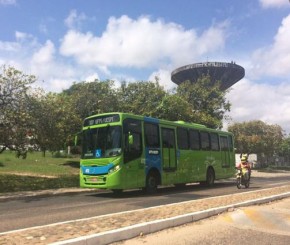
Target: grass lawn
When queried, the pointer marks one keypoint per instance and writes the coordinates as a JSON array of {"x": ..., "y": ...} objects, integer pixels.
[{"x": 37, "y": 172}]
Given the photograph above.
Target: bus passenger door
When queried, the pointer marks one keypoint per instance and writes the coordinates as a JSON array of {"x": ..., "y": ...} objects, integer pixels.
[
  {"x": 133, "y": 150},
  {"x": 169, "y": 160},
  {"x": 225, "y": 152}
]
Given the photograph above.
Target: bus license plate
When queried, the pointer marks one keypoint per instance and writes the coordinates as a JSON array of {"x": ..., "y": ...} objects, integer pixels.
[{"x": 95, "y": 180}]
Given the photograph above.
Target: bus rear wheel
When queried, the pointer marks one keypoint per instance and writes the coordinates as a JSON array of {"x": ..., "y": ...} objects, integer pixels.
[
  {"x": 117, "y": 191},
  {"x": 151, "y": 183},
  {"x": 210, "y": 177},
  {"x": 180, "y": 185}
]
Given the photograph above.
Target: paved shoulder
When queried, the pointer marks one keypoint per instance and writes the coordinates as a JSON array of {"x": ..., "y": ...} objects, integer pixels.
[
  {"x": 259, "y": 225},
  {"x": 271, "y": 218}
]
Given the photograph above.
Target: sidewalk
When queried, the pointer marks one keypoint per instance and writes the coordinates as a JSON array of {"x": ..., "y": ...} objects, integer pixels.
[
  {"x": 115, "y": 227},
  {"x": 264, "y": 224}
]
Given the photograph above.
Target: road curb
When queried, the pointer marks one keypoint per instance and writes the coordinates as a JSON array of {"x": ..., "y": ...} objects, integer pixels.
[{"x": 161, "y": 224}]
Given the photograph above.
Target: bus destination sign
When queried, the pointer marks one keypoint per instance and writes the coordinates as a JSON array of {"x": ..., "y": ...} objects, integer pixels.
[{"x": 101, "y": 120}]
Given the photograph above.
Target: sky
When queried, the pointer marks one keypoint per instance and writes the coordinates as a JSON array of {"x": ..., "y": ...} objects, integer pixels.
[{"x": 68, "y": 41}]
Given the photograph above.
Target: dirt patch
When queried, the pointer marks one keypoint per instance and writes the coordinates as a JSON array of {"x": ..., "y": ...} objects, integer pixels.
[{"x": 32, "y": 175}]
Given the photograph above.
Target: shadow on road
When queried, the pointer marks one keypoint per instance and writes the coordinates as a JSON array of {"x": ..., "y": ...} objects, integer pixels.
[{"x": 171, "y": 190}]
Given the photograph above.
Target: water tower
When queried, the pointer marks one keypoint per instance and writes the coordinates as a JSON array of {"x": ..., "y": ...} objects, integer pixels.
[{"x": 227, "y": 73}]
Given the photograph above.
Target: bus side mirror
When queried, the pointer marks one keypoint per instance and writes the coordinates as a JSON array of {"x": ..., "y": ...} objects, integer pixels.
[{"x": 78, "y": 138}]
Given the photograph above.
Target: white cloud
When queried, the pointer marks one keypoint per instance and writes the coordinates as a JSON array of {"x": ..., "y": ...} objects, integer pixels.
[
  {"x": 17, "y": 53},
  {"x": 57, "y": 84},
  {"x": 159, "y": 46},
  {"x": 92, "y": 77},
  {"x": 164, "y": 77},
  {"x": 43, "y": 28},
  {"x": 74, "y": 20},
  {"x": 124, "y": 43},
  {"x": 274, "y": 60},
  {"x": 9, "y": 46},
  {"x": 25, "y": 37},
  {"x": 53, "y": 73},
  {"x": 28, "y": 55},
  {"x": 274, "y": 3},
  {"x": 269, "y": 103},
  {"x": 45, "y": 54},
  {"x": 141, "y": 43}
]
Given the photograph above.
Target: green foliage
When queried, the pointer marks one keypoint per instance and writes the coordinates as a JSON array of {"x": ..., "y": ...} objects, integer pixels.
[
  {"x": 31, "y": 119},
  {"x": 257, "y": 137},
  {"x": 284, "y": 148},
  {"x": 174, "y": 108},
  {"x": 49, "y": 121},
  {"x": 141, "y": 98},
  {"x": 207, "y": 101},
  {"x": 54, "y": 120},
  {"x": 15, "y": 120},
  {"x": 90, "y": 98}
]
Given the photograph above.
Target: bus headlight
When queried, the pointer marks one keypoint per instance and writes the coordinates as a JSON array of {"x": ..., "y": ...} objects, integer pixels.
[{"x": 114, "y": 169}]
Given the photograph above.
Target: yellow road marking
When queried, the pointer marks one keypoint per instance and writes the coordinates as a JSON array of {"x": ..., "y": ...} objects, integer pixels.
[
  {"x": 257, "y": 218},
  {"x": 228, "y": 218}
]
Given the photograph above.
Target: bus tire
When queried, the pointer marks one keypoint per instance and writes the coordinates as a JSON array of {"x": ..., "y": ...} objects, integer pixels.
[
  {"x": 210, "y": 177},
  {"x": 117, "y": 191},
  {"x": 180, "y": 185},
  {"x": 151, "y": 183}
]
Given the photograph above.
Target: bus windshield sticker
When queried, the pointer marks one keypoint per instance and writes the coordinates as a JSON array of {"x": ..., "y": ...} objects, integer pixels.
[{"x": 98, "y": 153}]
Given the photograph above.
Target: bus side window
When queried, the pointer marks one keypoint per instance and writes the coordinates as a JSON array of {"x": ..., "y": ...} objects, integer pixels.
[
  {"x": 132, "y": 139},
  {"x": 182, "y": 139},
  {"x": 214, "y": 142},
  {"x": 194, "y": 140},
  {"x": 224, "y": 143},
  {"x": 205, "y": 141},
  {"x": 151, "y": 135},
  {"x": 231, "y": 143}
]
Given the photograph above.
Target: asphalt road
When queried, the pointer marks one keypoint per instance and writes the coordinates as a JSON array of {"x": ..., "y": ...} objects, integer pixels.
[{"x": 35, "y": 211}]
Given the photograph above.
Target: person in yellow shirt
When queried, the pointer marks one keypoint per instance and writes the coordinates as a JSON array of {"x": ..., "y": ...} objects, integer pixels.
[{"x": 245, "y": 166}]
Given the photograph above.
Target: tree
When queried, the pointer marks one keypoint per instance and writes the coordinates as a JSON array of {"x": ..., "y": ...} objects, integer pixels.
[
  {"x": 284, "y": 149},
  {"x": 50, "y": 120},
  {"x": 141, "y": 98},
  {"x": 207, "y": 100},
  {"x": 174, "y": 108},
  {"x": 15, "y": 120},
  {"x": 55, "y": 121},
  {"x": 257, "y": 137},
  {"x": 93, "y": 97}
]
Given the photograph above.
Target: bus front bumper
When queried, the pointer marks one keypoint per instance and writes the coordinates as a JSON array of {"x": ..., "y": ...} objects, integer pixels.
[{"x": 106, "y": 181}]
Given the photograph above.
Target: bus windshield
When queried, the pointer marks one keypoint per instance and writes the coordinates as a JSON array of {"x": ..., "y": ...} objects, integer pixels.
[{"x": 102, "y": 142}]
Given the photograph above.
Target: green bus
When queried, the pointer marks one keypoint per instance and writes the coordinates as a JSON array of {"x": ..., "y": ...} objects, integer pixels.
[{"x": 124, "y": 151}]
